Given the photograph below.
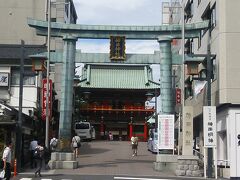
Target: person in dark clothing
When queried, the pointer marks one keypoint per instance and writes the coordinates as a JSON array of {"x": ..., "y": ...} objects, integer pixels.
[
  {"x": 47, "y": 157},
  {"x": 7, "y": 157},
  {"x": 32, "y": 147}
]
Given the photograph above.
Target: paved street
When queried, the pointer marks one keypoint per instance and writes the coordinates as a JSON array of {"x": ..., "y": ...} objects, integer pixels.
[
  {"x": 114, "y": 158},
  {"x": 108, "y": 160}
]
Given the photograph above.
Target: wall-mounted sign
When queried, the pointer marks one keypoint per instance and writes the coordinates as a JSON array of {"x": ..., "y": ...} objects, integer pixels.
[
  {"x": 4, "y": 79},
  {"x": 117, "y": 48},
  {"x": 166, "y": 131},
  {"x": 44, "y": 99},
  {"x": 210, "y": 129}
]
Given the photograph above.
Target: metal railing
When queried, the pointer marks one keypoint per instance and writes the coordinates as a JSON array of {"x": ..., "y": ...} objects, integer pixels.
[{"x": 198, "y": 154}]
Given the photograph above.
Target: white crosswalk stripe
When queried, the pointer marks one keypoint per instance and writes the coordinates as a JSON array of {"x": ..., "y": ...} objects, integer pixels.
[
  {"x": 138, "y": 178},
  {"x": 41, "y": 179}
]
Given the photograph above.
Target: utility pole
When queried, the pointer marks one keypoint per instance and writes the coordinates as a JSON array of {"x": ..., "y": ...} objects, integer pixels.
[
  {"x": 18, "y": 150},
  {"x": 209, "y": 77},
  {"x": 48, "y": 67}
]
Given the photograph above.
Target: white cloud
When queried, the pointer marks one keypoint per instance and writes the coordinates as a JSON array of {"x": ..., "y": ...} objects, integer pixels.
[
  {"x": 121, "y": 12},
  {"x": 118, "y": 12}
]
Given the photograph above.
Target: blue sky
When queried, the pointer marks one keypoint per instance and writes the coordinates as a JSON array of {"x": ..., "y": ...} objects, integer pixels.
[{"x": 118, "y": 12}]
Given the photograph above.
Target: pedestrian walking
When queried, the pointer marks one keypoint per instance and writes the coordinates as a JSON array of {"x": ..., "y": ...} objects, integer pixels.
[
  {"x": 76, "y": 143},
  {"x": 32, "y": 147},
  {"x": 38, "y": 156},
  {"x": 134, "y": 143},
  {"x": 110, "y": 136},
  {"x": 53, "y": 144},
  {"x": 7, "y": 157}
]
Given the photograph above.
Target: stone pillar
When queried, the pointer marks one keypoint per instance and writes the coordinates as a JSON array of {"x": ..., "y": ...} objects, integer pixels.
[
  {"x": 102, "y": 130},
  {"x": 166, "y": 75},
  {"x": 187, "y": 131},
  {"x": 66, "y": 106}
]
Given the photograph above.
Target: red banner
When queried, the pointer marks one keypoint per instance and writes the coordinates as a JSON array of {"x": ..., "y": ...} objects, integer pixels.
[{"x": 44, "y": 99}]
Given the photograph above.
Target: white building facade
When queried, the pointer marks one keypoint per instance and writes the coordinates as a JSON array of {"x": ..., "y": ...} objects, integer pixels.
[{"x": 223, "y": 36}]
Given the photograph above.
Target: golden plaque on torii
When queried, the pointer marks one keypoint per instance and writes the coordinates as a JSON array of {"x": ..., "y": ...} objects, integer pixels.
[{"x": 117, "y": 48}]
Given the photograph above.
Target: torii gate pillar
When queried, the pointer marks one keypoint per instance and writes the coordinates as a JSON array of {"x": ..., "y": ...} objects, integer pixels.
[
  {"x": 166, "y": 75},
  {"x": 68, "y": 69}
]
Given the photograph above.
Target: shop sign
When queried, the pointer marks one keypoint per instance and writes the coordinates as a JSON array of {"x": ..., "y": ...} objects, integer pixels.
[
  {"x": 4, "y": 79},
  {"x": 210, "y": 130},
  {"x": 166, "y": 131}
]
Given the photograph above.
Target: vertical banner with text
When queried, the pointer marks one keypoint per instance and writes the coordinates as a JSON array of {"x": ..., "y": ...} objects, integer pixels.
[
  {"x": 44, "y": 99},
  {"x": 166, "y": 131},
  {"x": 210, "y": 128}
]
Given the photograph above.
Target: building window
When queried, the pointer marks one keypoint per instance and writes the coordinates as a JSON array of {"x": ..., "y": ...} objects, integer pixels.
[
  {"x": 189, "y": 10},
  {"x": 15, "y": 77},
  {"x": 214, "y": 70},
  {"x": 53, "y": 19},
  {"x": 213, "y": 16},
  {"x": 210, "y": 14},
  {"x": 189, "y": 46}
]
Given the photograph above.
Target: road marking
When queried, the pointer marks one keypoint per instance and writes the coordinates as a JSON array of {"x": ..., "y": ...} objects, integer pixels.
[
  {"x": 41, "y": 179},
  {"x": 135, "y": 178}
]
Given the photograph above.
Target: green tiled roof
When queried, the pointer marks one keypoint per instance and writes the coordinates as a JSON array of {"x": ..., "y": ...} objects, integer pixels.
[{"x": 117, "y": 77}]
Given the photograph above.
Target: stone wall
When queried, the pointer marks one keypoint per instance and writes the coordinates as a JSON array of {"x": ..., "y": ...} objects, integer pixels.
[{"x": 189, "y": 166}]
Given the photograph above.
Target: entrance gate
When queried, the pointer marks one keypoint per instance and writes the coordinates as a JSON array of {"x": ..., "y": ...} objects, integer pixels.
[{"x": 70, "y": 34}]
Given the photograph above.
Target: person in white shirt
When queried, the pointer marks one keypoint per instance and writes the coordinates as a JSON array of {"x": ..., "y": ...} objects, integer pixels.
[
  {"x": 76, "y": 143},
  {"x": 53, "y": 144},
  {"x": 39, "y": 155},
  {"x": 134, "y": 142},
  {"x": 7, "y": 157},
  {"x": 32, "y": 147}
]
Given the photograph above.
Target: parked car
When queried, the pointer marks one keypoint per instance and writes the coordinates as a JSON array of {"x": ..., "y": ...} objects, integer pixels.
[{"x": 152, "y": 143}]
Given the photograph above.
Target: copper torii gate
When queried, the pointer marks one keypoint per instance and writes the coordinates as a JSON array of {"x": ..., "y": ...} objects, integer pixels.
[{"x": 71, "y": 32}]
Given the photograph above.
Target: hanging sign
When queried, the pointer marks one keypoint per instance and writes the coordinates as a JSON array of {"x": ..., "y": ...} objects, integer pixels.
[
  {"x": 44, "y": 99},
  {"x": 210, "y": 130},
  {"x": 117, "y": 48},
  {"x": 166, "y": 131}
]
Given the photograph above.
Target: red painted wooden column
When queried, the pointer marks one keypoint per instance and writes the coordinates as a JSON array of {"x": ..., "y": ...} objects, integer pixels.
[
  {"x": 130, "y": 130},
  {"x": 145, "y": 132},
  {"x": 101, "y": 129}
]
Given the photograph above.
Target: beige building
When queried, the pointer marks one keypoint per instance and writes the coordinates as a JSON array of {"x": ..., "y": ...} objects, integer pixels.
[
  {"x": 223, "y": 37},
  {"x": 14, "y": 28}
]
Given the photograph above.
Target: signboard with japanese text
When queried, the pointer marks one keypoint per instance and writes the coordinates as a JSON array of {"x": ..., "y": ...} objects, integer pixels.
[
  {"x": 150, "y": 105},
  {"x": 209, "y": 122},
  {"x": 166, "y": 131},
  {"x": 187, "y": 130},
  {"x": 44, "y": 99},
  {"x": 4, "y": 79},
  {"x": 117, "y": 48}
]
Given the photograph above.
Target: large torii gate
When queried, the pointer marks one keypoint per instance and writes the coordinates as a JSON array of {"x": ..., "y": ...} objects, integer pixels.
[{"x": 70, "y": 34}]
